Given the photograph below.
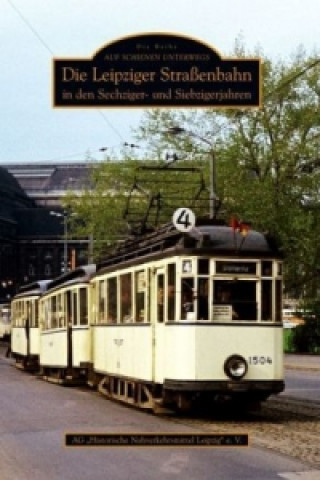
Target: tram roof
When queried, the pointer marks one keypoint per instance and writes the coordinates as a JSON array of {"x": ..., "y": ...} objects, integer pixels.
[
  {"x": 205, "y": 239},
  {"x": 81, "y": 273},
  {"x": 34, "y": 288}
]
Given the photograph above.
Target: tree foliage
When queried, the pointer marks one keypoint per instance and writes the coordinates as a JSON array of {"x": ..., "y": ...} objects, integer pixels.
[{"x": 267, "y": 161}]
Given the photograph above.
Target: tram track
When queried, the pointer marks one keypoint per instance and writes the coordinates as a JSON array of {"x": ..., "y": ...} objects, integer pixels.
[{"x": 285, "y": 425}]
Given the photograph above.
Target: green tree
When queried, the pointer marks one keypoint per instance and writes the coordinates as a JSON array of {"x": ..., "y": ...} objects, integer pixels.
[
  {"x": 98, "y": 211},
  {"x": 267, "y": 160}
]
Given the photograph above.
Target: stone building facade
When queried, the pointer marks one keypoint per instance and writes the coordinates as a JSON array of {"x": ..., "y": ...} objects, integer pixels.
[{"x": 33, "y": 241}]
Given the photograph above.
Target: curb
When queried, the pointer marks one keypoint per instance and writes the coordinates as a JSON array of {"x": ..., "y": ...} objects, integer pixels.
[{"x": 302, "y": 367}]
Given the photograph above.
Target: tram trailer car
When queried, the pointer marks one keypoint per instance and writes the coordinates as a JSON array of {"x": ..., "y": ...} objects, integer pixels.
[
  {"x": 25, "y": 332},
  {"x": 65, "y": 334},
  {"x": 181, "y": 318},
  {"x": 5, "y": 321}
]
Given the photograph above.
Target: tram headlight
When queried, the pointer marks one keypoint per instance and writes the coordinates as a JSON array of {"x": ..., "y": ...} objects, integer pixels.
[{"x": 235, "y": 367}]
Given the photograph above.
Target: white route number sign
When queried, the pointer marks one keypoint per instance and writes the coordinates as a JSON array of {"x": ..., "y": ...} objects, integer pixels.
[{"x": 184, "y": 219}]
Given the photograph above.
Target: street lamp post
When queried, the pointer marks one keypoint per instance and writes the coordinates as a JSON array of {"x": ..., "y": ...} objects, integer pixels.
[
  {"x": 212, "y": 193},
  {"x": 65, "y": 235}
]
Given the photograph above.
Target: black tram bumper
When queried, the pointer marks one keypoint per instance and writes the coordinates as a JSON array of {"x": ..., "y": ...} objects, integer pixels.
[{"x": 263, "y": 387}]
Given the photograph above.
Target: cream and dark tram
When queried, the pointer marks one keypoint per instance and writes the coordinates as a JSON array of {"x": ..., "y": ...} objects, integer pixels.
[
  {"x": 25, "y": 330},
  {"x": 169, "y": 319},
  {"x": 181, "y": 317},
  {"x": 65, "y": 335}
]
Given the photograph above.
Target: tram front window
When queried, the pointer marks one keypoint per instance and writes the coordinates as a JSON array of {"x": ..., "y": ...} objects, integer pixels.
[{"x": 234, "y": 300}]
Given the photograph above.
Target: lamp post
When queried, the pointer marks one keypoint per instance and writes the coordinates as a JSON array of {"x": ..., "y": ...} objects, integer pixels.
[
  {"x": 212, "y": 193},
  {"x": 65, "y": 235}
]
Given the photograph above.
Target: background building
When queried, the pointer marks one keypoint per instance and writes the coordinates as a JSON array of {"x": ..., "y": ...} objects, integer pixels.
[
  {"x": 48, "y": 183},
  {"x": 33, "y": 228}
]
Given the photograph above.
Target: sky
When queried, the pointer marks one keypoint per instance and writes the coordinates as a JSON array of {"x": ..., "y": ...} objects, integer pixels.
[{"x": 33, "y": 32}]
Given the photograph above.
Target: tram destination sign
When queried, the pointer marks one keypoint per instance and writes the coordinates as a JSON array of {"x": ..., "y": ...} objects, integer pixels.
[
  {"x": 157, "y": 70},
  {"x": 244, "y": 268}
]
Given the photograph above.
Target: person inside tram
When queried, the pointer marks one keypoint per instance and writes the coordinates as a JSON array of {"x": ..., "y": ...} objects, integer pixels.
[
  {"x": 126, "y": 311},
  {"x": 187, "y": 297},
  {"x": 224, "y": 297}
]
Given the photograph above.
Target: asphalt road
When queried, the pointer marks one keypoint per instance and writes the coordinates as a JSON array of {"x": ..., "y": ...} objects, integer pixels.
[{"x": 35, "y": 417}]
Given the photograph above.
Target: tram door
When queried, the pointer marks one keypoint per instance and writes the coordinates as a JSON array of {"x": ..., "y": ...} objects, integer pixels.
[
  {"x": 158, "y": 318},
  {"x": 68, "y": 300}
]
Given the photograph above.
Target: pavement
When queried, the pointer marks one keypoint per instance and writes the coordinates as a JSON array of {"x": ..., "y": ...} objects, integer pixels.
[{"x": 294, "y": 361}]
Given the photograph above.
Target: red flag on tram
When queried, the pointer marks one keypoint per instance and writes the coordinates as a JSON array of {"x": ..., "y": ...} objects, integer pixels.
[
  {"x": 234, "y": 223},
  {"x": 238, "y": 226}
]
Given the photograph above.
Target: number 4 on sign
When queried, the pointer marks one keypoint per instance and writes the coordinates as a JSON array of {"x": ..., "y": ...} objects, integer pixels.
[{"x": 184, "y": 219}]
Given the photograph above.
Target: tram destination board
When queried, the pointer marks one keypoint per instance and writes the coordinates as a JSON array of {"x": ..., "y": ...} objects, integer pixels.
[
  {"x": 157, "y": 70},
  {"x": 243, "y": 268},
  {"x": 156, "y": 440}
]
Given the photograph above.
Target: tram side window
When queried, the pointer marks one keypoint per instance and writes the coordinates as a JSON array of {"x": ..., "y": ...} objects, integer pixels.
[
  {"x": 95, "y": 298},
  {"x": 30, "y": 316},
  {"x": 266, "y": 300},
  {"x": 61, "y": 320},
  {"x": 203, "y": 299},
  {"x": 75, "y": 313},
  {"x": 126, "y": 298},
  {"x": 187, "y": 299},
  {"x": 54, "y": 312},
  {"x": 140, "y": 296},
  {"x": 112, "y": 300},
  {"x": 12, "y": 314},
  {"x": 160, "y": 298},
  {"x": 20, "y": 313},
  {"x": 47, "y": 314},
  {"x": 278, "y": 300},
  {"x": 35, "y": 308},
  {"x": 83, "y": 306},
  {"x": 15, "y": 314},
  {"x": 171, "y": 292},
  {"x": 102, "y": 301},
  {"x": 21, "y": 316},
  {"x": 43, "y": 310}
]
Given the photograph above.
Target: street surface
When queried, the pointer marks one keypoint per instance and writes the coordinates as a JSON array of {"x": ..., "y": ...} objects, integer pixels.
[
  {"x": 36, "y": 415},
  {"x": 304, "y": 385},
  {"x": 302, "y": 377}
]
